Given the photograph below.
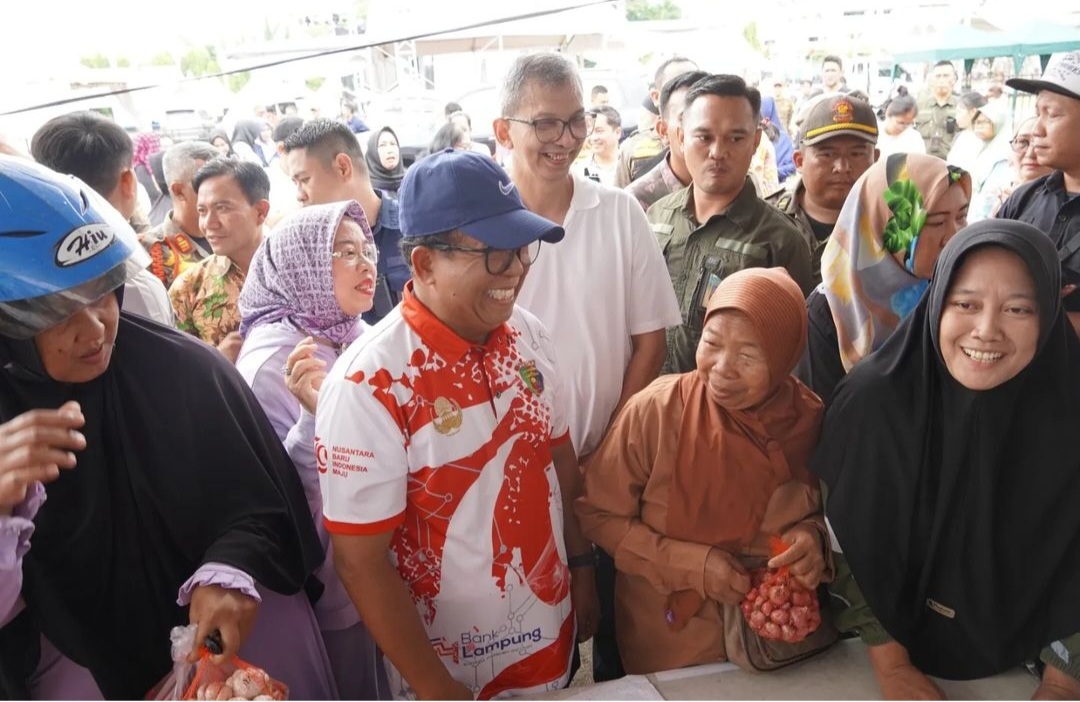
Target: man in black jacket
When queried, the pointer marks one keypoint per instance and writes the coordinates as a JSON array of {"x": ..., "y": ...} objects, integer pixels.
[{"x": 1052, "y": 203}]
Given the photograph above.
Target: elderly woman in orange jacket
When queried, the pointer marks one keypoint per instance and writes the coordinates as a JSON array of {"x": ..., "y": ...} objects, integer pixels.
[{"x": 700, "y": 469}]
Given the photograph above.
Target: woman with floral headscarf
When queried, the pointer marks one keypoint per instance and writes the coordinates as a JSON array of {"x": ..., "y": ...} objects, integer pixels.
[
  {"x": 308, "y": 284},
  {"x": 879, "y": 260}
]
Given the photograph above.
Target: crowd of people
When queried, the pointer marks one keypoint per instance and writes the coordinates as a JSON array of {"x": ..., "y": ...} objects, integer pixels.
[{"x": 417, "y": 432}]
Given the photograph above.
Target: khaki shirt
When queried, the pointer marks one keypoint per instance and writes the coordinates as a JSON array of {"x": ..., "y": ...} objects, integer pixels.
[
  {"x": 932, "y": 122},
  {"x": 787, "y": 200},
  {"x": 750, "y": 234}
]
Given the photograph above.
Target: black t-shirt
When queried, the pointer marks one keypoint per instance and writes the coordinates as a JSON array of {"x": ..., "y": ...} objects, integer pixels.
[
  {"x": 822, "y": 230},
  {"x": 1046, "y": 203},
  {"x": 820, "y": 367}
]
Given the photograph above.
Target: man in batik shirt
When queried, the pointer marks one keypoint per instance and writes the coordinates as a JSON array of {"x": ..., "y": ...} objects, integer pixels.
[{"x": 232, "y": 205}]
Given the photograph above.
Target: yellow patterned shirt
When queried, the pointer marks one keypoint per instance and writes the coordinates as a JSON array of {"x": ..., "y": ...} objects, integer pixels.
[{"x": 204, "y": 298}]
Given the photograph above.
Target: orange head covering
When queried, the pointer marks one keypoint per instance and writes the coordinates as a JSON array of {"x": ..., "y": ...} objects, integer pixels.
[
  {"x": 775, "y": 307},
  {"x": 730, "y": 463}
]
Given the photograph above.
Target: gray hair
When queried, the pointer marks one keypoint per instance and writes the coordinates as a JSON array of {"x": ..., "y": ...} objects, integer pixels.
[
  {"x": 546, "y": 69},
  {"x": 179, "y": 163}
]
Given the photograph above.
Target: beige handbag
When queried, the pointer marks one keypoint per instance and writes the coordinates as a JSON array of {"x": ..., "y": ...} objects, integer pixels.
[{"x": 751, "y": 652}]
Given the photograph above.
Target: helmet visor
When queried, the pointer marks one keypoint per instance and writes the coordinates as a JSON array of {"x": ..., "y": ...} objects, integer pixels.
[{"x": 24, "y": 319}]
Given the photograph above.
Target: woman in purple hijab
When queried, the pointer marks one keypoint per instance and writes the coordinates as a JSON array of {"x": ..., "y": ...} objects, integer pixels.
[{"x": 308, "y": 284}]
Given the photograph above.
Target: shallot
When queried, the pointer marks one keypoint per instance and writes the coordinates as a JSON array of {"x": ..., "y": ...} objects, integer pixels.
[{"x": 778, "y": 607}]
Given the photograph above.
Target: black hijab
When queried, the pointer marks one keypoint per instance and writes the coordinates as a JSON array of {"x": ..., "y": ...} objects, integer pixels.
[
  {"x": 247, "y": 131},
  {"x": 216, "y": 133},
  {"x": 958, "y": 510},
  {"x": 383, "y": 178},
  {"x": 181, "y": 468}
]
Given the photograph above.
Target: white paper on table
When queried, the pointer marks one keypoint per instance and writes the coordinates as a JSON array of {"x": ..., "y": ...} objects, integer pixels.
[
  {"x": 631, "y": 687},
  {"x": 694, "y": 671}
]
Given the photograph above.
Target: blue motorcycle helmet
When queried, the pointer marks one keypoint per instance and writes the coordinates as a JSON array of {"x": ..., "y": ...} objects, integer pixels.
[{"x": 62, "y": 247}]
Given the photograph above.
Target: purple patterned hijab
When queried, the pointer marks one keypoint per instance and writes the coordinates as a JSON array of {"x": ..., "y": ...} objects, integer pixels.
[{"x": 291, "y": 275}]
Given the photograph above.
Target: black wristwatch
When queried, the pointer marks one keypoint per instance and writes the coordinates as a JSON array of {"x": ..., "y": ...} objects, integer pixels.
[{"x": 585, "y": 560}]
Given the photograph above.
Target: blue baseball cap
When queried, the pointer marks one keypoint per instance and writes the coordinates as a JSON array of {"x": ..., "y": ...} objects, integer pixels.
[{"x": 464, "y": 190}]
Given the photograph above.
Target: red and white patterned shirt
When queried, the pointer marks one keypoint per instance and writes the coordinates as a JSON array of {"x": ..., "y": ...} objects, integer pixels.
[{"x": 448, "y": 443}]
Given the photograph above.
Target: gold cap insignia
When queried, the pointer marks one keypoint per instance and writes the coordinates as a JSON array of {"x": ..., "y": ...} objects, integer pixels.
[{"x": 843, "y": 112}]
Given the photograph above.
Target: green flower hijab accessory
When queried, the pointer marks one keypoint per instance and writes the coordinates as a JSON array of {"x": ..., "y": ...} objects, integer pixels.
[
  {"x": 867, "y": 268},
  {"x": 908, "y": 212},
  {"x": 908, "y": 218}
]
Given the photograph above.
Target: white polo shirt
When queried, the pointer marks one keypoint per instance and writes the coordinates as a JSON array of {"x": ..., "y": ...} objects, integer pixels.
[
  {"x": 603, "y": 283},
  {"x": 448, "y": 444}
]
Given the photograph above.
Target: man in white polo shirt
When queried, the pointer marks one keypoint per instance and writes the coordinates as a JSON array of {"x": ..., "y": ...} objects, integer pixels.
[
  {"x": 441, "y": 438},
  {"x": 604, "y": 292}
]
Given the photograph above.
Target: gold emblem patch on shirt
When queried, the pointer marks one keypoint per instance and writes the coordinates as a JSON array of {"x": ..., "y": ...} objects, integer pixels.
[
  {"x": 446, "y": 416},
  {"x": 941, "y": 609}
]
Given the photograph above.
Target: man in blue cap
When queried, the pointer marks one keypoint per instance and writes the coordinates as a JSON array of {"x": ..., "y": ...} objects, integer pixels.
[{"x": 442, "y": 440}]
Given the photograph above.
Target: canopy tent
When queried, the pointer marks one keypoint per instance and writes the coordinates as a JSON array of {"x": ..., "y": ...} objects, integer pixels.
[
  {"x": 963, "y": 42},
  {"x": 583, "y": 29},
  {"x": 957, "y": 42},
  {"x": 713, "y": 42},
  {"x": 1042, "y": 39}
]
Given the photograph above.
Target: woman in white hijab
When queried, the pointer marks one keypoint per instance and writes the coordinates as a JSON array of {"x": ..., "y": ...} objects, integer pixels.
[{"x": 990, "y": 170}]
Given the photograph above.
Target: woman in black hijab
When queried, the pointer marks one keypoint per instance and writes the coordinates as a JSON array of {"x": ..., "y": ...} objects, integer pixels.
[
  {"x": 160, "y": 485},
  {"x": 245, "y": 141},
  {"x": 953, "y": 472},
  {"x": 220, "y": 141},
  {"x": 383, "y": 159}
]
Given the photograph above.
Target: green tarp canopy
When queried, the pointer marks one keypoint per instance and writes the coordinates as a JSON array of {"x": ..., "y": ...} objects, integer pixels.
[{"x": 966, "y": 43}]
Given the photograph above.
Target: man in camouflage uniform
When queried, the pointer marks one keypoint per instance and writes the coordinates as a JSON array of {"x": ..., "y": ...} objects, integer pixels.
[
  {"x": 671, "y": 173},
  {"x": 643, "y": 150}
]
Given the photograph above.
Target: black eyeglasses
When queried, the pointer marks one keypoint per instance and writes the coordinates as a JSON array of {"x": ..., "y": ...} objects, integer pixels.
[
  {"x": 1020, "y": 144},
  {"x": 497, "y": 261},
  {"x": 549, "y": 129}
]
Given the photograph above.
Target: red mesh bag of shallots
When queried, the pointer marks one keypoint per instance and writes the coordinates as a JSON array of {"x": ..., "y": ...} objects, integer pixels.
[
  {"x": 206, "y": 680},
  {"x": 777, "y": 607},
  {"x": 236, "y": 680}
]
